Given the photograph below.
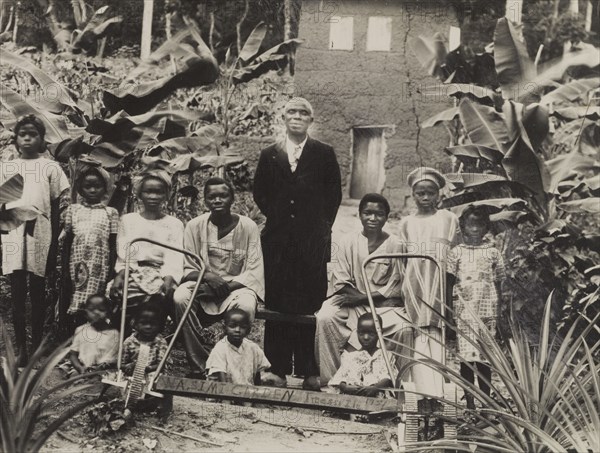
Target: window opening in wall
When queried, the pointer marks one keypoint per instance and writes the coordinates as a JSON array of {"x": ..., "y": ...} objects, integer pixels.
[
  {"x": 341, "y": 33},
  {"x": 379, "y": 34}
]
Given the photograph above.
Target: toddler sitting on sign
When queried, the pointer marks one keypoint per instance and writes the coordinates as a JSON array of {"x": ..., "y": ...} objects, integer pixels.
[{"x": 363, "y": 372}]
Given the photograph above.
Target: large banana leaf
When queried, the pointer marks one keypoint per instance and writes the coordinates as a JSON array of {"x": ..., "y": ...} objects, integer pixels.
[
  {"x": 555, "y": 69},
  {"x": 14, "y": 217},
  {"x": 56, "y": 127},
  {"x": 12, "y": 189},
  {"x": 568, "y": 165},
  {"x": 431, "y": 53},
  {"x": 274, "y": 58},
  {"x": 523, "y": 165},
  {"x": 459, "y": 90},
  {"x": 118, "y": 126},
  {"x": 189, "y": 162},
  {"x": 536, "y": 124},
  {"x": 446, "y": 115},
  {"x": 476, "y": 152},
  {"x": 185, "y": 145},
  {"x": 529, "y": 122},
  {"x": 97, "y": 27},
  {"x": 574, "y": 113},
  {"x": 253, "y": 43},
  {"x": 493, "y": 204},
  {"x": 591, "y": 205},
  {"x": 571, "y": 92},
  {"x": 199, "y": 68},
  {"x": 483, "y": 125},
  {"x": 513, "y": 65},
  {"x": 11, "y": 218},
  {"x": 56, "y": 98},
  {"x": 583, "y": 137}
]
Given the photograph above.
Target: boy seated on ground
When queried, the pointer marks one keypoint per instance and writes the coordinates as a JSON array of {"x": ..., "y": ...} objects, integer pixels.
[
  {"x": 236, "y": 359},
  {"x": 95, "y": 343},
  {"x": 148, "y": 321},
  {"x": 363, "y": 372}
]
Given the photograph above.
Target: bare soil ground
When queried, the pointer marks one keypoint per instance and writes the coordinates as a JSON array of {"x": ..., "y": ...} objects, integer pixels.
[{"x": 233, "y": 427}]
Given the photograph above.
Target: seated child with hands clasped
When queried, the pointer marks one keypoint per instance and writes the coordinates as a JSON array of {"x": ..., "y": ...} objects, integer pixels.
[
  {"x": 363, "y": 372},
  {"x": 236, "y": 359},
  {"x": 95, "y": 343},
  {"x": 148, "y": 321}
]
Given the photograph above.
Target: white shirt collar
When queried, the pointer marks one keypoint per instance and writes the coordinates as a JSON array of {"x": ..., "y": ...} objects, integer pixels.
[{"x": 290, "y": 146}]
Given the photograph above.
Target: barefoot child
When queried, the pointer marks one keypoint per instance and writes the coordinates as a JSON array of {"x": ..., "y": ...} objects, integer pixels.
[
  {"x": 427, "y": 232},
  {"x": 475, "y": 270},
  {"x": 25, "y": 250},
  {"x": 363, "y": 372},
  {"x": 235, "y": 358},
  {"x": 95, "y": 343},
  {"x": 91, "y": 237}
]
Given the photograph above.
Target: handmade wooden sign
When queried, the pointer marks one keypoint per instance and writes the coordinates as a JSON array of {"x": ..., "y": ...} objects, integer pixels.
[{"x": 276, "y": 396}]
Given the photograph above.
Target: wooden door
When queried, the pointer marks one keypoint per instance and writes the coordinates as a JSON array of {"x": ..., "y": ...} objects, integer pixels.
[{"x": 368, "y": 152}]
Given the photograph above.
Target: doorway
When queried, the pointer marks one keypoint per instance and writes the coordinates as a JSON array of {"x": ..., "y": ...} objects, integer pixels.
[{"x": 368, "y": 154}]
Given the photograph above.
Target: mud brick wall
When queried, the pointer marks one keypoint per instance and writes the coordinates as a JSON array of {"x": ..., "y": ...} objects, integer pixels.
[{"x": 360, "y": 88}]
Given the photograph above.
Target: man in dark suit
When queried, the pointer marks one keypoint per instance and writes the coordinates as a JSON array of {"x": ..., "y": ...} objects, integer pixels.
[{"x": 297, "y": 186}]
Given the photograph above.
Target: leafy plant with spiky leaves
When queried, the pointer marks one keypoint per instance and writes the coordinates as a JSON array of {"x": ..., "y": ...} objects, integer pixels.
[
  {"x": 24, "y": 400},
  {"x": 547, "y": 393}
]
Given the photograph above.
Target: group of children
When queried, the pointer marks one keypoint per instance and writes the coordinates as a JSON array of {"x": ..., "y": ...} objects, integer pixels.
[{"x": 95, "y": 241}]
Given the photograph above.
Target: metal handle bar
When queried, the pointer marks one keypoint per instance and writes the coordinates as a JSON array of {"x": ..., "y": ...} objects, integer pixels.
[
  {"x": 191, "y": 255},
  {"x": 378, "y": 328}
]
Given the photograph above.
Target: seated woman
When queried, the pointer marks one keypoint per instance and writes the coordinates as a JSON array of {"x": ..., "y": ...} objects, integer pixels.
[
  {"x": 153, "y": 269},
  {"x": 338, "y": 317}
]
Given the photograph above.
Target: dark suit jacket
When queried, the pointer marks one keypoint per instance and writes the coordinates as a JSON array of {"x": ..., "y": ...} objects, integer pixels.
[{"x": 300, "y": 208}]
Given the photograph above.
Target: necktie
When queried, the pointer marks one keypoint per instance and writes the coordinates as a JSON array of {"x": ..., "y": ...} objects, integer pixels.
[{"x": 297, "y": 153}]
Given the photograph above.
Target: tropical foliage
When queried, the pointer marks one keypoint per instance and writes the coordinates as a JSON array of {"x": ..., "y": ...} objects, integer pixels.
[
  {"x": 25, "y": 400},
  {"x": 545, "y": 398},
  {"x": 524, "y": 142}
]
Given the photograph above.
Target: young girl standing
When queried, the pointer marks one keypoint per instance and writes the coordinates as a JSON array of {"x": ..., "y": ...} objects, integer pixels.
[
  {"x": 25, "y": 249},
  {"x": 91, "y": 238},
  {"x": 429, "y": 232},
  {"x": 475, "y": 270}
]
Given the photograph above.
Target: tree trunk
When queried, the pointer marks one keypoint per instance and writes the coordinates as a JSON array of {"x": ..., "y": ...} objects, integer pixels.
[
  {"x": 16, "y": 26},
  {"x": 574, "y": 7},
  {"x": 238, "y": 27},
  {"x": 287, "y": 19},
  {"x": 76, "y": 12},
  {"x": 146, "y": 44},
  {"x": 589, "y": 9},
  {"x": 514, "y": 10}
]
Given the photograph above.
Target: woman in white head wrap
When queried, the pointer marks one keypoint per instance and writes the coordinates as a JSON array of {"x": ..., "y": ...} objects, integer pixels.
[{"x": 153, "y": 269}]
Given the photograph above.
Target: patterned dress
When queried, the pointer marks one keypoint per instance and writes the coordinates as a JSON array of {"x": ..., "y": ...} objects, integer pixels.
[
  {"x": 476, "y": 269},
  {"x": 91, "y": 225},
  {"x": 131, "y": 349},
  {"x": 361, "y": 368}
]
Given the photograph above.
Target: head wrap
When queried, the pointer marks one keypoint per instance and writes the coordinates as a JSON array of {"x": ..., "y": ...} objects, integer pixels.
[
  {"x": 34, "y": 121},
  {"x": 298, "y": 103},
  {"x": 162, "y": 175},
  {"x": 85, "y": 165},
  {"x": 426, "y": 174}
]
